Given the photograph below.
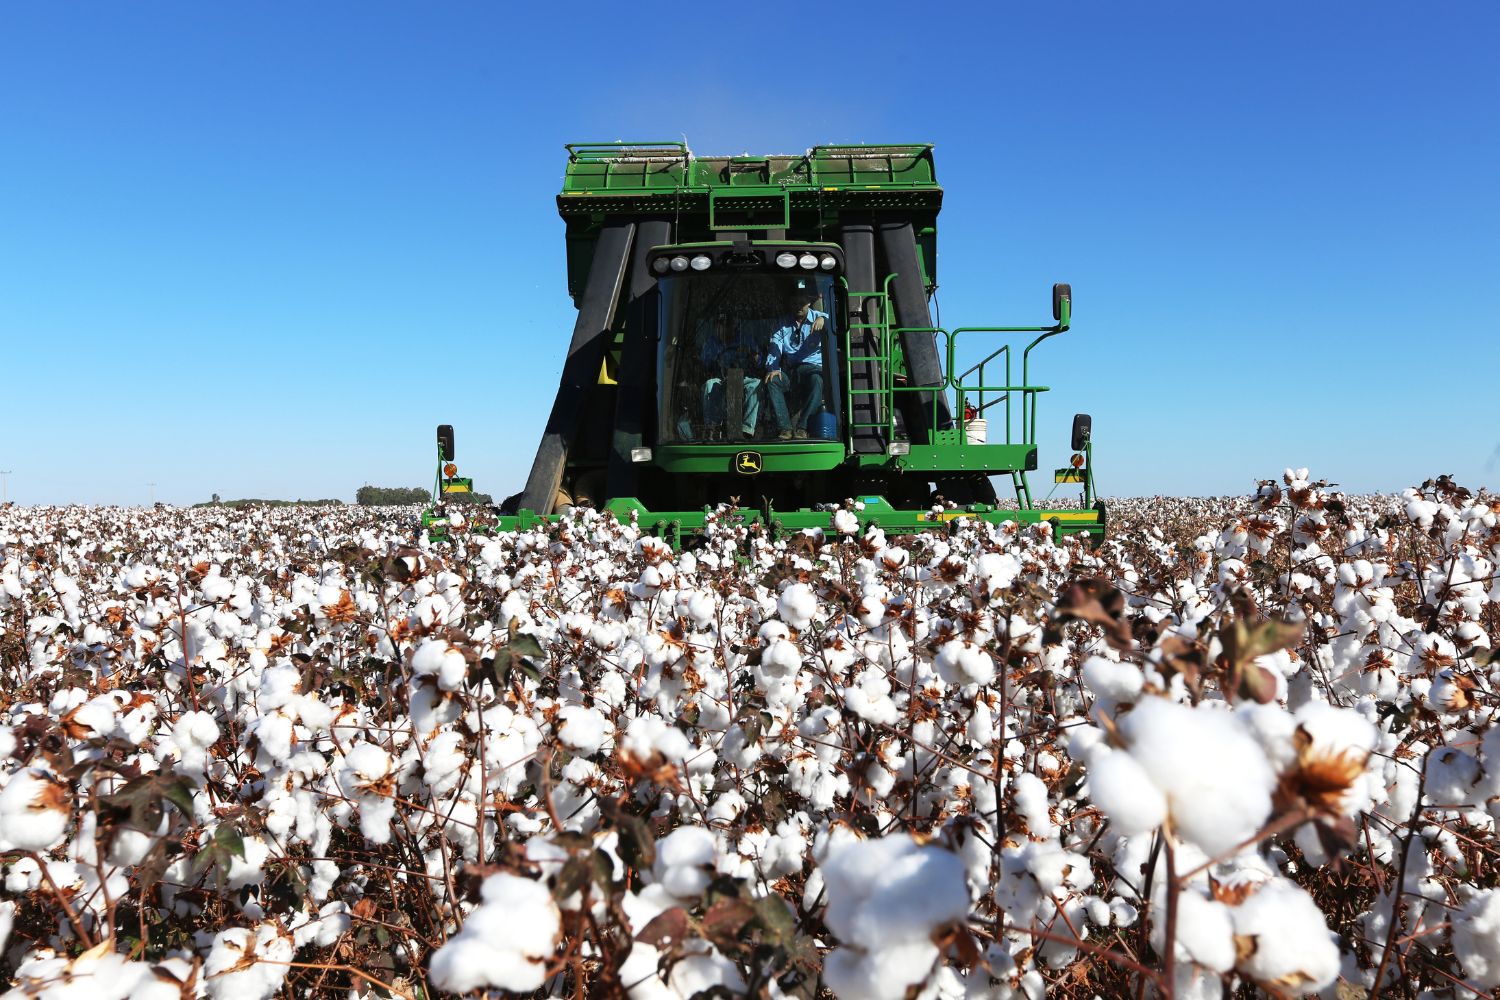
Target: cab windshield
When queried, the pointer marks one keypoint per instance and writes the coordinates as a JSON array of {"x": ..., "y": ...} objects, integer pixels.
[{"x": 748, "y": 357}]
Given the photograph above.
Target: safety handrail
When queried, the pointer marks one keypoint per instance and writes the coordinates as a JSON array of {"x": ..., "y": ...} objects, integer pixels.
[
  {"x": 953, "y": 382},
  {"x": 642, "y": 149}
]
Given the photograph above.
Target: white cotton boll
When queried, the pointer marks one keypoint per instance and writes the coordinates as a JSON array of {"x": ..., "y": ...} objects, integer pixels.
[
  {"x": 7, "y": 920},
  {"x": 1476, "y": 937},
  {"x": 1122, "y": 913},
  {"x": 1112, "y": 683},
  {"x": 1289, "y": 940},
  {"x": 583, "y": 729},
  {"x": 443, "y": 762},
  {"x": 961, "y": 663},
  {"x": 1031, "y": 803},
  {"x": 247, "y": 963},
  {"x": 34, "y": 810},
  {"x": 981, "y": 728},
  {"x": 695, "y": 975},
  {"x": 247, "y": 870},
  {"x": 781, "y": 660},
  {"x": 886, "y": 897},
  {"x": 797, "y": 605},
  {"x": 1214, "y": 774},
  {"x": 1205, "y": 930},
  {"x": 436, "y": 658},
  {"x": 685, "y": 860},
  {"x": 1452, "y": 778},
  {"x": 22, "y": 876},
  {"x": 505, "y": 943},
  {"x": 1121, "y": 788},
  {"x": 870, "y": 697},
  {"x": 194, "y": 732},
  {"x": 1334, "y": 730},
  {"x": 884, "y": 975},
  {"x": 883, "y": 891},
  {"x": 845, "y": 522},
  {"x": 274, "y": 731},
  {"x": 701, "y": 609},
  {"x": 998, "y": 570}
]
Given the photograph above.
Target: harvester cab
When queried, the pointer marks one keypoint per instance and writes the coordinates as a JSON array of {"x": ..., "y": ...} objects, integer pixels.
[{"x": 755, "y": 331}]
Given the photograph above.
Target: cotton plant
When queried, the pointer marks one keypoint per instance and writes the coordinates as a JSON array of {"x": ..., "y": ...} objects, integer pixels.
[{"x": 317, "y": 751}]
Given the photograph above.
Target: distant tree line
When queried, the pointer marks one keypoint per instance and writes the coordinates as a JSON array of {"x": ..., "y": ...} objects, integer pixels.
[
  {"x": 390, "y": 496},
  {"x": 253, "y": 502},
  {"x": 365, "y": 496}
]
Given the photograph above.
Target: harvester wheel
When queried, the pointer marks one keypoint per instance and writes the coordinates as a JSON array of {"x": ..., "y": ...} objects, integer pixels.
[{"x": 1083, "y": 429}]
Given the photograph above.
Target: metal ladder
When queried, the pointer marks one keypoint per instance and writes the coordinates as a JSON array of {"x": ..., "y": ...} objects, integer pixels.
[{"x": 864, "y": 304}]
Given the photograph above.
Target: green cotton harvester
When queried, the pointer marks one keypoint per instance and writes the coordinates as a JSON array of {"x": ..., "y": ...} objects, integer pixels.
[{"x": 756, "y": 331}]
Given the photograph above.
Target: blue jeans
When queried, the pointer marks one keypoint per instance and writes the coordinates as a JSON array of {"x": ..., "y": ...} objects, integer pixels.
[
  {"x": 805, "y": 384},
  {"x": 713, "y": 403}
]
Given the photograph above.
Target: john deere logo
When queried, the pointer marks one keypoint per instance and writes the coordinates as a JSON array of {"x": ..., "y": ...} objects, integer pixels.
[{"x": 747, "y": 463}]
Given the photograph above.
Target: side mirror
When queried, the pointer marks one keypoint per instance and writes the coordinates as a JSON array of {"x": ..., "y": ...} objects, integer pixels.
[
  {"x": 1083, "y": 430},
  {"x": 1062, "y": 302},
  {"x": 445, "y": 442}
]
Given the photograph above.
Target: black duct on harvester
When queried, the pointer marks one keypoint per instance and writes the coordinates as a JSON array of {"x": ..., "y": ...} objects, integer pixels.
[
  {"x": 636, "y": 397},
  {"x": 596, "y": 311},
  {"x": 858, "y": 241},
  {"x": 924, "y": 366}
]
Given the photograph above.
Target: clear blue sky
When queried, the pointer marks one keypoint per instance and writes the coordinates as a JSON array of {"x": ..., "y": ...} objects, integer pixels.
[{"x": 261, "y": 249}]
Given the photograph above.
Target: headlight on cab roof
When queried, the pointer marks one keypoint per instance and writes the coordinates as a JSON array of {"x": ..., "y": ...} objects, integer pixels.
[
  {"x": 786, "y": 260},
  {"x": 701, "y": 262}
]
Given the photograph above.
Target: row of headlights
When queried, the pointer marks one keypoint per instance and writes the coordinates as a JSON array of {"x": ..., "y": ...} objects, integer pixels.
[
  {"x": 681, "y": 263},
  {"x": 701, "y": 262},
  {"x": 807, "y": 261}
]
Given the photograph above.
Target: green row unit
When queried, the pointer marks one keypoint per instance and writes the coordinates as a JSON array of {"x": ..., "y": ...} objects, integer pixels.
[{"x": 677, "y": 526}]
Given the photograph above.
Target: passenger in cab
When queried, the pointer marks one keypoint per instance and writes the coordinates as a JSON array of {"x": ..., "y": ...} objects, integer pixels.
[{"x": 794, "y": 364}]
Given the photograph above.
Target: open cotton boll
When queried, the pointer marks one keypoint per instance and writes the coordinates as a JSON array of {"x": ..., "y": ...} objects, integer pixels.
[
  {"x": 797, "y": 605},
  {"x": 1031, "y": 803},
  {"x": 437, "y": 658},
  {"x": 1121, "y": 788},
  {"x": 887, "y": 974},
  {"x": 886, "y": 897},
  {"x": 583, "y": 729},
  {"x": 1283, "y": 939},
  {"x": 366, "y": 778},
  {"x": 1334, "y": 730},
  {"x": 685, "y": 861},
  {"x": 960, "y": 663},
  {"x": 505, "y": 943},
  {"x": 97, "y": 974},
  {"x": 998, "y": 570},
  {"x": 1214, "y": 774},
  {"x": 1476, "y": 937},
  {"x": 1112, "y": 683},
  {"x": 246, "y": 963},
  {"x": 34, "y": 810},
  {"x": 648, "y": 734},
  {"x": 1205, "y": 930},
  {"x": 869, "y": 697},
  {"x": 845, "y": 522}
]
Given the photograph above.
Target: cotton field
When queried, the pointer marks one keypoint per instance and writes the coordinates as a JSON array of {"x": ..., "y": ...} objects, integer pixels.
[{"x": 1246, "y": 746}]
